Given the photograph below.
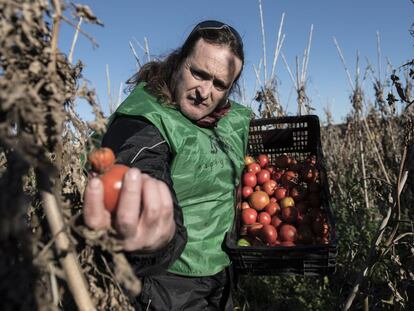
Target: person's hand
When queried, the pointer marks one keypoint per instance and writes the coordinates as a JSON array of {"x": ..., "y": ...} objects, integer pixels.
[{"x": 144, "y": 216}]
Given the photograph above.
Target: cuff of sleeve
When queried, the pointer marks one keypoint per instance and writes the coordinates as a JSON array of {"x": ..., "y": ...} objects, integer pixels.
[{"x": 146, "y": 263}]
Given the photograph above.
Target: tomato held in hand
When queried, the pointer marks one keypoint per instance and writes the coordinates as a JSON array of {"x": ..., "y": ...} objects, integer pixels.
[
  {"x": 101, "y": 159},
  {"x": 112, "y": 181}
]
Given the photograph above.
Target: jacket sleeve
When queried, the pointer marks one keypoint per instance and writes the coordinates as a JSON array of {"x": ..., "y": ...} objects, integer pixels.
[{"x": 138, "y": 143}]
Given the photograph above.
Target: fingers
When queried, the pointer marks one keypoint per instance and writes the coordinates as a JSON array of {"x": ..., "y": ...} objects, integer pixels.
[
  {"x": 156, "y": 225},
  {"x": 129, "y": 204},
  {"x": 94, "y": 213},
  {"x": 144, "y": 217}
]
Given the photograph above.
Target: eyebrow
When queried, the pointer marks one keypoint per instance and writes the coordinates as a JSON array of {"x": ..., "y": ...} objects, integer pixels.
[{"x": 206, "y": 75}]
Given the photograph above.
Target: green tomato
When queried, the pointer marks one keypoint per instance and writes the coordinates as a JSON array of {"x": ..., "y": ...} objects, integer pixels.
[{"x": 243, "y": 242}]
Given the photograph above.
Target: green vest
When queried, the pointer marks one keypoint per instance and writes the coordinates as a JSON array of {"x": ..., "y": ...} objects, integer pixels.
[{"x": 205, "y": 169}]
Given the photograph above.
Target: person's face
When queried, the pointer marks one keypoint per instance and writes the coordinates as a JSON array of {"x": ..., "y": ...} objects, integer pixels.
[{"x": 205, "y": 79}]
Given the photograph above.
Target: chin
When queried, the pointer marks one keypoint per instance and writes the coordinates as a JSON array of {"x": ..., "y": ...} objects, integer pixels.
[{"x": 193, "y": 113}]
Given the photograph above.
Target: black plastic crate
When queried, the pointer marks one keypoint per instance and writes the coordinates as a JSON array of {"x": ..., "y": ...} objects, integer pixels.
[{"x": 299, "y": 137}]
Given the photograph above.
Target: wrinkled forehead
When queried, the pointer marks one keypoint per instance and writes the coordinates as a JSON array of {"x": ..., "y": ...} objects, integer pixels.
[{"x": 216, "y": 57}]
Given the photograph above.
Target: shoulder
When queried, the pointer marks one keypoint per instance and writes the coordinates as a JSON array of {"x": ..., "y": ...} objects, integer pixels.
[{"x": 126, "y": 131}]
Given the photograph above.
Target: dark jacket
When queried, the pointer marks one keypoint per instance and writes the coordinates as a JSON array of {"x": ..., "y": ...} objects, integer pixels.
[{"x": 138, "y": 141}]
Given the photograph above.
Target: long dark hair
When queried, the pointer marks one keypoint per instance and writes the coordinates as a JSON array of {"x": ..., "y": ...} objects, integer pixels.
[{"x": 160, "y": 76}]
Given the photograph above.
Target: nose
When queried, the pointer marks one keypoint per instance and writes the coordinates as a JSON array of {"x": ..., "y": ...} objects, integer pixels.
[{"x": 203, "y": 90}]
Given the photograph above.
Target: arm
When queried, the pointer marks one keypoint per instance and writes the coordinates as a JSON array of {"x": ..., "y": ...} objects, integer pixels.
[{"x": 138, "y": 144}]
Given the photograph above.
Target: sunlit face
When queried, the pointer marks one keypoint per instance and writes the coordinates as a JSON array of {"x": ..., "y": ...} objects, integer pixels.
[{"x": 205, "y": 79}]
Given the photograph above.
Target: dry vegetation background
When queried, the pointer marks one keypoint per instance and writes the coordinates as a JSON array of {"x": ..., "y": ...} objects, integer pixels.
[{"x": 50, "y": 261}]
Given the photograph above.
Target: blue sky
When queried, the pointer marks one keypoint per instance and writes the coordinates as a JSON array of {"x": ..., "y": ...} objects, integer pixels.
[{"x": 167, "y": 23}]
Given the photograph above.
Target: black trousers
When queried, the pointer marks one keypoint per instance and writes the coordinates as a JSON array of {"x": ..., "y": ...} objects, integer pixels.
[{"x": 171, "y": 292}]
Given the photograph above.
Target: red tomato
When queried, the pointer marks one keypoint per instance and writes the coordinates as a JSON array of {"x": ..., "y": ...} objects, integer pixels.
[
  {"x": 320, "y": 227},
  {"x": 101, "y": 159},
  {"x": 287, "y": 243},
  {"x": 271, "y": 168},
  {"x": 263, "y": 176},
  {"x": 297, "y": 193},
  {"x": 309, "y": 173},
  {"x": 258, "y": 200},
  {"x": 254, "y": 229},
  {"x": 264, "y": 218},
  {"x": 269, "y": 186},
  {"x": 249, "y": 216},
  {"x": 268, "y": 234},
  {"x": 112, "y": 182},
  {"x": 249, "y": 179},
  {"x": 311, "y": 160},
  {"x": 289, "y": 214},
  {"x": 276, "y": 221},
  {"x": 282, "y": 161},
  {"x": 280, "y": 193},
  {"x": 245, "y": 205},
  {"x": 276, "y": 175},
  {"x": 248, "y": 160},
  {"x": 287, "y": 233},
  {"x": 287, "y": 177},
  {"x": 263, "y": 160},
  {"x": 253, "y": 168},
  {"x": 276, "y": 243},
  {"x": 246, "y": 191},
  {"x": 272, "y": 208}
]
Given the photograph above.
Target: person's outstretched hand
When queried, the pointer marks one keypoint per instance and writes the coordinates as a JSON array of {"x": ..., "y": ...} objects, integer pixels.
[{"x": 144, "y": 217}]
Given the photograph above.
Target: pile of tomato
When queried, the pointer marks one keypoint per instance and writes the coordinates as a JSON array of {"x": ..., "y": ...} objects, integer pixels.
[{"x": 281, "y": 202}]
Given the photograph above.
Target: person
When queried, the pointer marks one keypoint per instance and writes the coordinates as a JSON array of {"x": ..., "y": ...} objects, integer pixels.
[{"x": 185, "y": 142}]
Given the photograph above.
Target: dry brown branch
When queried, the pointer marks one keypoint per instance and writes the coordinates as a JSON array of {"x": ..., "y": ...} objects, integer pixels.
[
  {"x": 70, "y": 264},
  {"x": 87, "y": 36},
  {"x": 55, "y": 33}
]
